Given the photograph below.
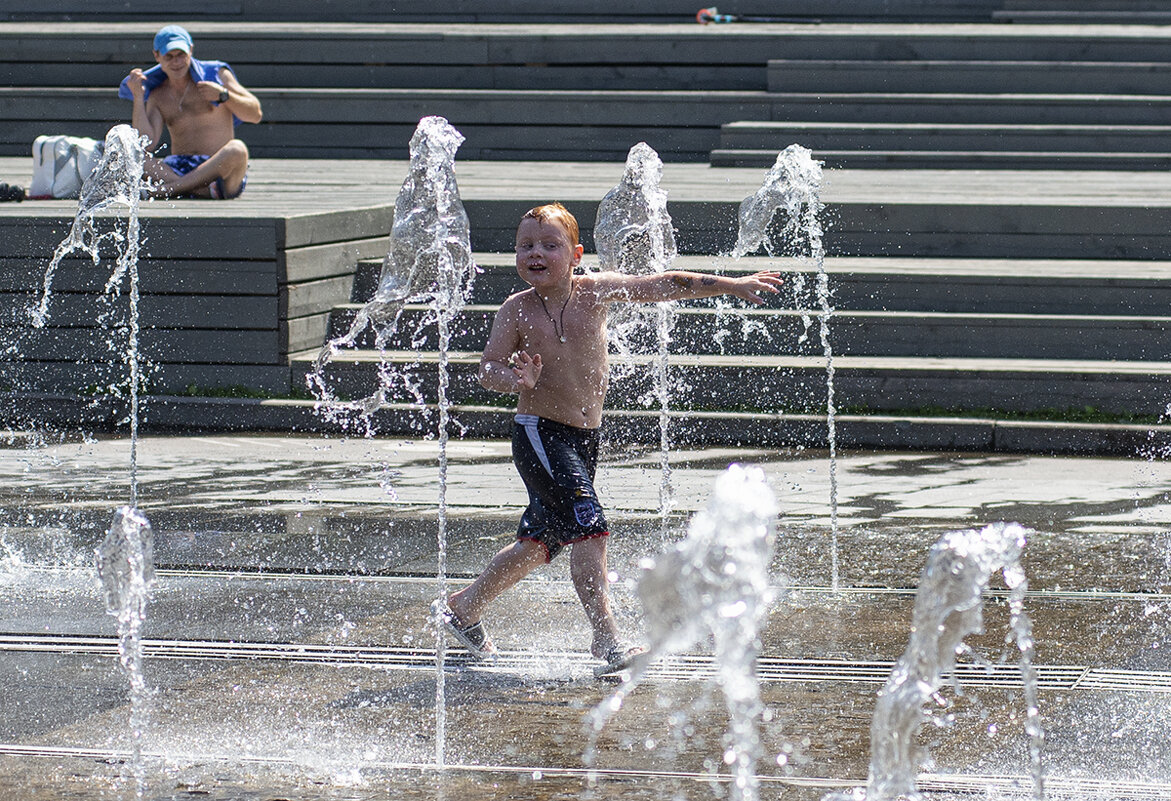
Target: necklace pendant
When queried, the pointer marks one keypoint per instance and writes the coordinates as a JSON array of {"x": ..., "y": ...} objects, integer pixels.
[{"x": 563, "y": 339}]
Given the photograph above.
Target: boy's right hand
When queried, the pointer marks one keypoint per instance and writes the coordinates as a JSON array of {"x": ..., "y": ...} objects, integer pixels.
[{"x": 526, "y": 369}]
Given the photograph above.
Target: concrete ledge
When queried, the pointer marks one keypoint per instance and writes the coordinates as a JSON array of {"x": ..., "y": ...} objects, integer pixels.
[
  {"x": 968, "y": 75},
  {"x": 953, "y": 160},
  {"x": 857, "y": 432},
  {"x": 797, "y": 384}
]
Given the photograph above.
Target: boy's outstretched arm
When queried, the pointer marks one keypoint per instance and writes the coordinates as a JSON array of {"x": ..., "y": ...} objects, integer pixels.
[{"x": 684, "y": 285}]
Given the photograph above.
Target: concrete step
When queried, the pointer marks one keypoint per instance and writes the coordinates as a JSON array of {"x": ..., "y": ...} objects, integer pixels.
[
  {"x": 169, "y": 413},
  {"x": 974, "y": 75},
  {"x": 507, "y": 124},
  {"x": 970, "y": 108},
  {"x": 403, "y": 56},
  {"x": 977, "y": 287},
  {"x": 512, "y": 11},
  {"x": 700, "y": 330},
  {"x": 954, "y": 160},
  {"x": 105, "y": 51},
  {"x": 1083, "y": 5},
  {"x": 1052, "y": 139},
  {"x": 1121, "y": 12},
  {"x": 996, "y": 42},
  {"x": 497, "y": 123},
  {"x": 1085, "y": 17},
  {"x": 798, "y": 383}
]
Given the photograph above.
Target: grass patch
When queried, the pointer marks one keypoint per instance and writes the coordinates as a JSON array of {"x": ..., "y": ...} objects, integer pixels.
[
  {"x": 240, "y": 391},
  {"x": 1084, "y": 414}
]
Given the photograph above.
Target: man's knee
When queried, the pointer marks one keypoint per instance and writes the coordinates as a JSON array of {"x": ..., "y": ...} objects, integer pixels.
[{"x": 235, "y": 152}]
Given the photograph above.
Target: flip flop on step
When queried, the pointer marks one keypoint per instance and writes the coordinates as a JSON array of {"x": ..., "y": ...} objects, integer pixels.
[
  {"x": 11, "y": 193},
  {"x": 622, "y": 656},
  {"x": 472, "y": 637}
]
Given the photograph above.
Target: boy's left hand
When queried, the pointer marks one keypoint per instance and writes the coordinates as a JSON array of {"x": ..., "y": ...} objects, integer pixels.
[{"x": 750, "y": 287}]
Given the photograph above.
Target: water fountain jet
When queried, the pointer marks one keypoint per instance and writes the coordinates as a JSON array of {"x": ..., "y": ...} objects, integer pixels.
[
  {"x": 792, "y": 187},
  {"x": 948, "y": 607},
  {"x": 633, "y": 234},
  {"x": 714, "y": 583},
  {"x": 124, "y": 560},
  {"x": 429, "y": 260}
]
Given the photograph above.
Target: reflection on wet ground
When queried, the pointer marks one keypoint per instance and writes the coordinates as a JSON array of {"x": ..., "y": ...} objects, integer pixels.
[{"x": 290, "y": 656}]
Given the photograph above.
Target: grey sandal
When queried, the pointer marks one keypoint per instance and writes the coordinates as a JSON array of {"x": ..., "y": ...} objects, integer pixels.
[
  {"x": 622, "y": 656},
  {"x": 472, "y": 637}
]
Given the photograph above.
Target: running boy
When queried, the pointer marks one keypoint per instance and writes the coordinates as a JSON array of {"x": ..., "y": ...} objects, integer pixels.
[{"x": 548, "y": 345}]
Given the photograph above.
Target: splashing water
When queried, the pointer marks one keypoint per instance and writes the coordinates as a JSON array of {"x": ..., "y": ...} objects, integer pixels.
[
  {"x": 116, "y": 180},
  {"x": 793, "y": 186},
  {"x": 429, "y": 260},
  {"x": 948, "y": 607},
  {"x": 714, "y": 583},
  {"x": 125, "y": 565},
  {"x": 633, "y": 234},
  {"x": 125, "y": 559}
]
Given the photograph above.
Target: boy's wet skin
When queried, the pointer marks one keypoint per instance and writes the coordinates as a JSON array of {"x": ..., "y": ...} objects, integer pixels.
[{"x": 548, "y": 344}]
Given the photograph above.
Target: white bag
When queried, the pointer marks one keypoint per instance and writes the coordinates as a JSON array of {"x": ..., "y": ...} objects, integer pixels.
[{"x": 61, "y": 164}]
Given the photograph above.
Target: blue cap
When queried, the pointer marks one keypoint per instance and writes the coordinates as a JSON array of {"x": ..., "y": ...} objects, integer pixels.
[{"x": 173, "y": 37}]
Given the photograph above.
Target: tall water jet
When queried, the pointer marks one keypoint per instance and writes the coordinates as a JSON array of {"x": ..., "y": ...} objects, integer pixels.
[
  {"x": 948, "y": 607},
  {"x": 715, "y": 583},
  {"x": 633, "y": 234},
  {"x": 124, "y": 560},
  {"x": 429, "y": 260},
  {"x": 125, "y": 565},
  {"x": 793, "y": 186},
  {"x": 117, "y": 179}
]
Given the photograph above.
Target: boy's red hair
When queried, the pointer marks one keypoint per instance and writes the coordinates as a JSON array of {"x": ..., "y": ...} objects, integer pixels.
[{"x": 555, "y": 213}]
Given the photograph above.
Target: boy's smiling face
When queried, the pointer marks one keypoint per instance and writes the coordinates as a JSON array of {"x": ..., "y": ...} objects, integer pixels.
[{"x": 545, "y": 257}]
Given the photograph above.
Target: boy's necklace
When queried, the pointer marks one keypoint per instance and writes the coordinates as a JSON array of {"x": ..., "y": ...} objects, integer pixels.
[{"x": 560, "y": 334}]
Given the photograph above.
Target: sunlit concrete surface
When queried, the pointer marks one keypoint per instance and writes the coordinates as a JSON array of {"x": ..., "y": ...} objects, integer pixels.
[{"x": 290, "y": 657}]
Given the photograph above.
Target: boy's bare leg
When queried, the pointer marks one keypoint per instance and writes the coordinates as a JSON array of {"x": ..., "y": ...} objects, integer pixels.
[
  {"x": 587, "y": 568},
  {"x": 230, "y": 162},
  {"x": 511, "y": 564}
]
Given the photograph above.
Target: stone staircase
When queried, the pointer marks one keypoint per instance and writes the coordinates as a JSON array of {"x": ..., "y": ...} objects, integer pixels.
[
  {"x": 990, "y": 97},
  {"x": 1086, "y": 12},
  {"x": 1037, "y": 298},
  {"x": 1062, "y": 337},
  {"x": 868, "y": 95}
]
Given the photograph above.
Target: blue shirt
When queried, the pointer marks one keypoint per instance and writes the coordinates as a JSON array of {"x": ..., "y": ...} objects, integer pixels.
[{"x": 200, "y": 71}]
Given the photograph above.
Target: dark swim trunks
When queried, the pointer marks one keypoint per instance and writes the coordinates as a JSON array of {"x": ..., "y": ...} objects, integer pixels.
[
  {"x": 182, "y": 164},
  {"x": 557, "y": 463}
]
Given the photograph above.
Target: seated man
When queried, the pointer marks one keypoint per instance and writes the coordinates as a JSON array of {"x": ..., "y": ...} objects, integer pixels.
[{"x": 199, "y": 102}]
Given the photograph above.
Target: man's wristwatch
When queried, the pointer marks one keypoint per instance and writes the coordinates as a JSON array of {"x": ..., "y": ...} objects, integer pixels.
[{"x": 223, "y": 94}]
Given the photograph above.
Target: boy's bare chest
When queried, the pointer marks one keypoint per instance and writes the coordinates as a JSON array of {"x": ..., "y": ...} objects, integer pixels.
[{"x": 577, "y": 325}]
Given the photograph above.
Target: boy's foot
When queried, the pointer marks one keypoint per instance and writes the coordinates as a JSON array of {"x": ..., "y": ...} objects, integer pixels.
[
  {"x": 472, "y": 637},
  {"x": 621, "y": 657}
]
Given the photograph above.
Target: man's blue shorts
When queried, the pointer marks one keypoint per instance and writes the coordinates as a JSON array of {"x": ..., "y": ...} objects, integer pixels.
[
  {"x": 181, "y": 164},
  {"x": 557, "y": 463}
]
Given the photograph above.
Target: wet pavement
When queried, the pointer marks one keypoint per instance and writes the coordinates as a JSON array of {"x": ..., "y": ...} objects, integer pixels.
[{"x": 289, "y": 654}]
